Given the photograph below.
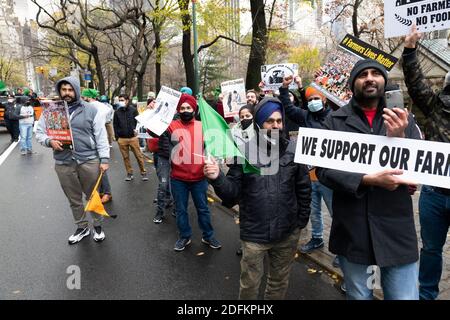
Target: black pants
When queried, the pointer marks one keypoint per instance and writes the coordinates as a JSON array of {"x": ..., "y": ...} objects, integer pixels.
[{"x": 13, "y": 129}]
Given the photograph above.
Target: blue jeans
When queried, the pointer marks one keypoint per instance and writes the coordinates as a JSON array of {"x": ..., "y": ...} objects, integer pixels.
[
  {"x": 180, "y": 191},
  {"x": 163, "y": 172},
  {"x": 397, "y": 282},
  {"x": 26, "y": 134},
  {"x": 434, "y": 209},
  {"x": 319, "y": 191}
]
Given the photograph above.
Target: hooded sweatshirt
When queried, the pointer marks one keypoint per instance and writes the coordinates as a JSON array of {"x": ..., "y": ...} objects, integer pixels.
[{"x": 90, "y": 140}]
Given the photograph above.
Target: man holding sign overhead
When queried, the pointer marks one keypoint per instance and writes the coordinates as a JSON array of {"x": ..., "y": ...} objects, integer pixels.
[
  {"x": 434, "y": 203},
  {"x": 373, "y": 221}
]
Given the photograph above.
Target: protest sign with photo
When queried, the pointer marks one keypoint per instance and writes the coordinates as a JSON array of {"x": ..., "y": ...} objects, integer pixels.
[
  {"x": 332, "y": 78},
  {"x": 427, "y": 15},
  {"x": 141, "y": 107},
  {"x": 273, "y": 75},
  {"x": 57, "y": 121},
  {"x": 234, "y": 97},
  {"x": 422, "y": 162},
  {"x": 159, "y": 119}
]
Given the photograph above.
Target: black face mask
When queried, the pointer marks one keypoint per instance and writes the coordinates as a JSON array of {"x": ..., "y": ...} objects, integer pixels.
[
  {"x": 245, "y": 123},
  {"x": 186, "y": 116}
]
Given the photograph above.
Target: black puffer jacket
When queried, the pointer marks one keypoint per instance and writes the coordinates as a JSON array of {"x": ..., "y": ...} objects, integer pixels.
[
  {"x": 272, "y": 206},
  {"x": 125, "y": 122}
]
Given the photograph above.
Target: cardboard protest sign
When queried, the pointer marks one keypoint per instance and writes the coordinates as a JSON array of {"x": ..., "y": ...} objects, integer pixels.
[
  {"x": 234, "y": 97},
  {"x": 159, "y": 119},
  {"x": 423, "y": 162},
  {"x": 428, "y": 15},
  {"x": 57, "y": 121},
  {"x": 332, "y": 78},
  {"x": 273, "y": 75}
]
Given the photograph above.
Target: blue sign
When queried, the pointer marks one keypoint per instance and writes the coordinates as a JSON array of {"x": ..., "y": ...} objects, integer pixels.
[{"x": 87, "y": 76}]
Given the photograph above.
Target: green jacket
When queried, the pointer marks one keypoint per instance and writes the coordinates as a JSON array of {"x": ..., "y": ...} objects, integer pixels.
[{"x": 435, "y": 106}]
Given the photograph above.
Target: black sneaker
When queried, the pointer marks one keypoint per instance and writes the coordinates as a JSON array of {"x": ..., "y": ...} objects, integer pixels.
[
  {"x": 79, "y": 234},
  {"x": 181, "y": 244},
  {"x": 313, "y": 244},
  {"x": 213, "y": 243},
  {"x": 158, "y": 218},
  {"x": 343, "y": 287},
  {"x": 129, "y": 177},
  {"x": 144, "y": 176},
  {"x": 99, "y": 235},
  {"x": 174, "y": 214},
  {"x": 239, "y": 251},
  {"x": 336, "y": 262}
]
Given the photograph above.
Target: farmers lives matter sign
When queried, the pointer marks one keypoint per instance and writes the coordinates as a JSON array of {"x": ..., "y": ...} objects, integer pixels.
[{"x": 428, "y": 15}]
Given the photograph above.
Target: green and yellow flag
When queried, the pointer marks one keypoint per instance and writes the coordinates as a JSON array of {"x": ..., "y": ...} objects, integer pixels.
[{"x": 218, "y": 140}]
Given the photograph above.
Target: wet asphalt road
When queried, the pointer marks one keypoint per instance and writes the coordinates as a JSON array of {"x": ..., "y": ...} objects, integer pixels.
[{"x": 136, "y": 261}]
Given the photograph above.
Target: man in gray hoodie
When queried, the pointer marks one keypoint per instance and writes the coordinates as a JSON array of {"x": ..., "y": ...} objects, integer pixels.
[{"x": 78, "y": 168}]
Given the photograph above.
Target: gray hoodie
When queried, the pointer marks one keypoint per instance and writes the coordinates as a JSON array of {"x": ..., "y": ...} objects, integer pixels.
[{"x": 90, "y": 140}]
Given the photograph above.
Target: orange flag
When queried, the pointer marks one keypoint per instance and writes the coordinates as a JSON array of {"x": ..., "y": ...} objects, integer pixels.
[{"x": 95, "y": 203}]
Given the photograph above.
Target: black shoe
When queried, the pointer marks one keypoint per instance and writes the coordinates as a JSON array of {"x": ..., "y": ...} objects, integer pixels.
[
  {"x": 343, "y": 287},
  {"x": 79, "y": 235},
  {"x": 158, "y": 218},
  {"x": 336, "y": 262},
  {"x": 181, "y": 244},
  {"x": 213, "y": 243},
  {"x": 239, "y": 252},
  {"x": 155, "y": 200},
  {"x": 174, "y": 214},
  {"x": 313, "y": 244},
  {"x": 129, "y": 177}
]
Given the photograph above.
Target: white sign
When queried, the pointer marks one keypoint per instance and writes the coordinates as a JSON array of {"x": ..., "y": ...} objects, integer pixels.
[
  {"x": 273, "y": 75},
  {"x": 159, "y": 119},
  {"x": 234, "y": 97},
  {"x": 428, "y": 15},
  {"x": 423, "y": 162}
]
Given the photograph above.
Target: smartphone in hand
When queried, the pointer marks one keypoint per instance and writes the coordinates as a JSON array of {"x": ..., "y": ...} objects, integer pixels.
[{"x": 394, "y": 99}]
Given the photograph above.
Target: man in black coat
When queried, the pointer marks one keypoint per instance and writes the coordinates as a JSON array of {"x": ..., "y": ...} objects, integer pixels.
[
  {"x": 373, "y": 222},
  {"x": 273, "y": 206}
]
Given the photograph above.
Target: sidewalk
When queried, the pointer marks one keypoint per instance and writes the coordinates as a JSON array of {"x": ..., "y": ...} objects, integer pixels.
[{"x": 324, "y": 258}]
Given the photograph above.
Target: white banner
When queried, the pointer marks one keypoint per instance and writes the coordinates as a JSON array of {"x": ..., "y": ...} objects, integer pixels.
[
  {"x": 428, "y": 15},
  {"x": 234, "y": 97},
  {"x": 423, "y": 162},
  {"x": 273, "y": 75},
  {"x": 159, "y": 119}
]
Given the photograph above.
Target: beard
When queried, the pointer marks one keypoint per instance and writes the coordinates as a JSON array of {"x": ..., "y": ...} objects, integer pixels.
[
  {"x": 369, "y": 91},
  {"x": 68, "y": 99}
]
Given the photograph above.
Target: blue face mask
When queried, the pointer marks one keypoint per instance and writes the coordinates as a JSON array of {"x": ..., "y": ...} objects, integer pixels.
[{"x": 315, "y": 105}]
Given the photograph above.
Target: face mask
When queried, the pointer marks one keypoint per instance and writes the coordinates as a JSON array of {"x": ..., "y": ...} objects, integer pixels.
[
  {"x": 315, "y": 105},
  {"x": 121, "y": 104},
  {"x": 10, "y": 100},
  {"x": 245, "y": 123},
  {"x": 186, "y": 116}
]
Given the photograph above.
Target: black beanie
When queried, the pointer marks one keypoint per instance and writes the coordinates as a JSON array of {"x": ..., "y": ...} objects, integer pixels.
[{"x": 362, "y": 65}]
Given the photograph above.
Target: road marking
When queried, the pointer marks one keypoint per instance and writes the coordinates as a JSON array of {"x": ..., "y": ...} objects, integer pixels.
[{"x": 7, "y": 152}]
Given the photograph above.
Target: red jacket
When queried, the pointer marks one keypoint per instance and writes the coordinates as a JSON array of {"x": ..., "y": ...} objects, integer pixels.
[{"x": 187, "y": 162}]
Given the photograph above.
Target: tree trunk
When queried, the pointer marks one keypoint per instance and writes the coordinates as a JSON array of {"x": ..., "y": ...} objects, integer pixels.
[
  {"x": 187, "y": 53},
  {"x": 259, "y": 44},
  {"x": 356, "y": 31},
  {"x": 158, "y": 59},
  {"x": 99, "y": 70}
]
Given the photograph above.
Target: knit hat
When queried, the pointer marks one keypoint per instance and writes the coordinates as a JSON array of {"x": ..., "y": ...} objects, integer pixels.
[
  {"x": 89, "y": 93},
  {"x": 104, "y": 99},
  {"x": 265, "y": 111},
  {"x": 311, "y": 91},
  {"x": 186, "y": 90},
  {"x": 189, "y": 99},
  {"x": 362, "y": 65}
]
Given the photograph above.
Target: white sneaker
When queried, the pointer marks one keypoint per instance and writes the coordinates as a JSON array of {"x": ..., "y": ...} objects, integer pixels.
[
  {"x": 100, "y": 235},
  {"x": 79, "y": 235}
]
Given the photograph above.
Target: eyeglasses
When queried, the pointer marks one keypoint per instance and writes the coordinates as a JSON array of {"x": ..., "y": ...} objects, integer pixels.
[{"x": 272, "y": 121}]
